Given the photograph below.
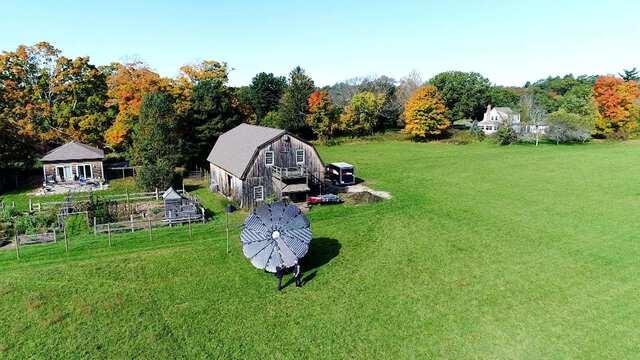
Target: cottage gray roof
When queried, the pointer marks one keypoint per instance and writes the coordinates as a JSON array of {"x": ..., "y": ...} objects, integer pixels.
[
  {"x": 235, "y": 149},
  {"x": 74, "y": 151}
]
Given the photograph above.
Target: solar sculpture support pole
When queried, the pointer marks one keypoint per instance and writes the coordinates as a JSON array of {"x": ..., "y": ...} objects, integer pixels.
[
  {"x": 227, "y": 228},
  {"x": 149, "y": 228},
  {"x": 190, "y": 232},
  {"x": 95, "y": 227},
  {"x": 55, "y": 238},
  {"x": 131, "y": 222},
  {"x": 109, "y": 233}
]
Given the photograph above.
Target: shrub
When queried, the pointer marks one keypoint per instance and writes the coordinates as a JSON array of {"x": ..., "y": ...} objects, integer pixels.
[
  {"x": 76, "y": 224},
  {"x": 506, "y": 135},
  {"x": 568, "y": 127}
]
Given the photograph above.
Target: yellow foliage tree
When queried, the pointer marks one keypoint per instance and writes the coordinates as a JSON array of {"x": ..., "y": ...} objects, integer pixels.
[{"x": 425, "y": 113}]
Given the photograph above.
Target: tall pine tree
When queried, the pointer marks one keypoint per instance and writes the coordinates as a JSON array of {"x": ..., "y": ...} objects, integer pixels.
[
  {"x": 294, "y": 105},
  {"x": 155, "y": 145}
]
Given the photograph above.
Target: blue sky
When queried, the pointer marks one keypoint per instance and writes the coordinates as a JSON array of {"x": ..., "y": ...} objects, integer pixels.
[{"x": 510, "y": 42}]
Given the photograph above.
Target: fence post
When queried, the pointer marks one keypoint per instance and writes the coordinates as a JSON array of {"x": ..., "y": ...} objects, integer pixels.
[
  {"x": 30, "y": 205},
  {"x": 17, "y": 244},
  {"x": 55, "y": 238},
  {"x": 128, "y": 206},
  {"x": 149, "y": 228},
  {"x": 157, "y": 196},
  {"x": 190, "y": 232},
  {"x": 131, "y": 222},
  {"x": 66, "y": 241},
  {"x": 109, "y": 233},
  {"x": 95, "y": 226}
]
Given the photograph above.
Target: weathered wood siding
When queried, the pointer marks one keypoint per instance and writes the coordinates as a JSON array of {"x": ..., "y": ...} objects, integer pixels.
[
  {"x": 227, "y": 184},
  {"x": 96, "y": 168},
  {"x": 284, "y": 153}
]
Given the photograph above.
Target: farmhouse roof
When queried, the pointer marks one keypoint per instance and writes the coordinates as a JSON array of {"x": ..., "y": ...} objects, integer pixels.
[
  {"x": 74, "y": 151},
  {"x": 235, "y": 149},
  {"x": 506, "y": 110}
]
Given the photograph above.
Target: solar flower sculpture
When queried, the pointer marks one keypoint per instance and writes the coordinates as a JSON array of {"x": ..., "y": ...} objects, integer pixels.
[{"x": 275, "y": 237}]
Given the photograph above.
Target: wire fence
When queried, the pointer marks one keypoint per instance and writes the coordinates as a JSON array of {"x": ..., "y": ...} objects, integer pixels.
[
  {"x": 40, "y": 205},
  {"x": 111, "y": 234}
]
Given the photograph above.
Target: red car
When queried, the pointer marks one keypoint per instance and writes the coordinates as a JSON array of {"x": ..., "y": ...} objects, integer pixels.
[{"x": 324, "y": 199}]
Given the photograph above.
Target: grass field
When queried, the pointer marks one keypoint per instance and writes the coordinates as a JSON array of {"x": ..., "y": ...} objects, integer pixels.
[{"x": 483, "y": 252}]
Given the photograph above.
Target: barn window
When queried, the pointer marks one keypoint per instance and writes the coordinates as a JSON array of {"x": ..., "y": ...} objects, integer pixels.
[
  {"x": 268, "y": 158},
  {"x": 300, "y": 157},
  {"x": 258, "y": 193}
]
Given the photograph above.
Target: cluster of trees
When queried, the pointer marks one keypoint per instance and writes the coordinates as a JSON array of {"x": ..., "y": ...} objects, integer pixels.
[
  {"x": 573, "y": 108},
  {"x": 47, "y": 99}
]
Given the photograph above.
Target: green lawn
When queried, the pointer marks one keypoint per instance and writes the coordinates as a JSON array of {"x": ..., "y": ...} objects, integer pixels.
[{"x": 483, "y": 252}]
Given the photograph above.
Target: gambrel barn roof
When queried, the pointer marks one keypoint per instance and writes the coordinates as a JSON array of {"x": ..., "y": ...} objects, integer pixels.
[
  {"x": 235, "y": 149},
  {"x": 74, "y": 151}
]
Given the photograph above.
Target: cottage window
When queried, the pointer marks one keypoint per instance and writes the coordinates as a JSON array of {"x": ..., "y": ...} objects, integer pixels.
[
  {"x": 300, "y": 157},
  {"x": 258, "y": 193},
  {"x": 84, "y": 171},
  {"x": 268, "y": 158}
]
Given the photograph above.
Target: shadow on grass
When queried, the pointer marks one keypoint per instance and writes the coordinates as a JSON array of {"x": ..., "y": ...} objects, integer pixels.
[{"x": 321, "y": 252}]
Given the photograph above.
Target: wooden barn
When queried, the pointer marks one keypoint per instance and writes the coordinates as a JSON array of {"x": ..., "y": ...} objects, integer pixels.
[
  {"x": 250, "y": 164},
  {"x": 73, "y": 162}
]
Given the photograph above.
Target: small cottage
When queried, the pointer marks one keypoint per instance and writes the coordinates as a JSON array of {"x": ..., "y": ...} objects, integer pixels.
[
  {"x": 250, "y": 164},
  {"x": 73, "y": 162}
]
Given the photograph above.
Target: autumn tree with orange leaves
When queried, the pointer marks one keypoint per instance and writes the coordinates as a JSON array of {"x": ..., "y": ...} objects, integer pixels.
[
  {"x": 323, "y": 115},
  {"x": 425, "y": 113},
  {"x": 618, "y": 106},
  {"x": 127, "y": 86}
]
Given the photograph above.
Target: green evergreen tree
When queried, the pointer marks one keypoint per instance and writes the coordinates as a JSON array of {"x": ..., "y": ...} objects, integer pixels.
[
  {"x": 294, "y": 104},
  {"x": 155, "y": 146}
]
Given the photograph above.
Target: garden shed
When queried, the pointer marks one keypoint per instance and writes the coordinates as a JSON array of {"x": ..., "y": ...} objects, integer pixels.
[{"x": 180, "y": 208}]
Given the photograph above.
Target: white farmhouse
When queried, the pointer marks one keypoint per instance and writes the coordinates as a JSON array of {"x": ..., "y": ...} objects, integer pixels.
[{"x": 498, "y": 116}]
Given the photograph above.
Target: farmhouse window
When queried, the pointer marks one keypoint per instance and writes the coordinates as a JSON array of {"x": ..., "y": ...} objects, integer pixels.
[
  {"x": 268, "y": 158},
  {"x": 258, "y": 193},
  {"x": 300, "y": 157}
]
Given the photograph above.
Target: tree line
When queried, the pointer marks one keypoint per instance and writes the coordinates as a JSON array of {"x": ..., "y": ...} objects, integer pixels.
[{"x": 157, "y": 122}]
